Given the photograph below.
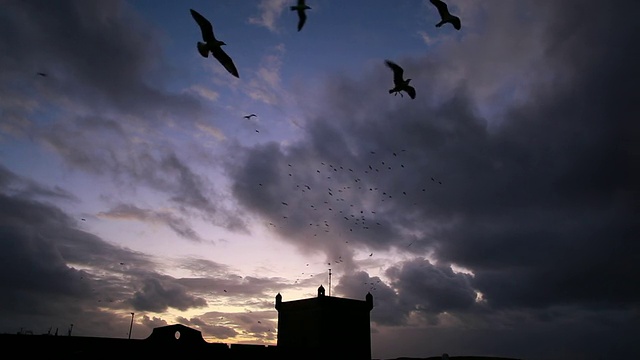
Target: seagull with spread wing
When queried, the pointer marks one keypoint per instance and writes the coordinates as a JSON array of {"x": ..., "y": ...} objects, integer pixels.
[
  {"x": 249, "y": 116},
  {"x": 213, "y": 45},
  {"x": 302, "y": 15},
  {"x": 445, "y": 15},
  {"x": 399, "y": 83}
]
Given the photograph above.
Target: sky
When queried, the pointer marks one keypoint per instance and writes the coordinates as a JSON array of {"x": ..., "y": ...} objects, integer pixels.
[{"x": 495, "y": 214}]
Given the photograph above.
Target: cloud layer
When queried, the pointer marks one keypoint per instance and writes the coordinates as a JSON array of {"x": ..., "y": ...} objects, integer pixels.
[{"x": 499, "y": 206}]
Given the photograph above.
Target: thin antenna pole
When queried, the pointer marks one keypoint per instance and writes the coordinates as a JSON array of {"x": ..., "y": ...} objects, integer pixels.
[
  {"x": 329, "y": 282},
  {"x": 131, "y": 326}
]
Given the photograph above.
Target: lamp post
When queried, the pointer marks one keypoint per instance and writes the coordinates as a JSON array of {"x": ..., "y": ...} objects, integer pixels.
[{"x": 131, "y": 326}]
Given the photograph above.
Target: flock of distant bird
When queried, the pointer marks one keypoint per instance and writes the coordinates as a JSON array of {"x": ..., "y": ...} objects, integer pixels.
[
  {"x": 400, "y": 84},
  {"x": 337, "y": 207}
]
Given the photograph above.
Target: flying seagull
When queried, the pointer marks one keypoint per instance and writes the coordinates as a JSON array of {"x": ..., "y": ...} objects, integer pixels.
[
  {"x": 213, "y": 45},
  {"x": 302, "y": 16},
  {"x": 399, "y": 83},
  {"x": 445, "y": 15},
  {"x": 249, "y": 116},
  {"x": 41, "y": 74}
]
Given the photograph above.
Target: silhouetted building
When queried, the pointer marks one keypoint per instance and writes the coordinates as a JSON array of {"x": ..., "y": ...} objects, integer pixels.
[
  {"x": 181, "y": 340},
  {"x": 324, "y": 326},
  {"x": 321, "y": 327},
  {"x": 173, "y": 341}
]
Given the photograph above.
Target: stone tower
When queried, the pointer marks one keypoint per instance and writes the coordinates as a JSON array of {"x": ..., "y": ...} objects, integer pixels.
[{"x": 324, "y": 326}]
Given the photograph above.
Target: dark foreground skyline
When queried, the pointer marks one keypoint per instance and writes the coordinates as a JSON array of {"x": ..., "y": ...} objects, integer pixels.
[{"x": 170, "y": 340}]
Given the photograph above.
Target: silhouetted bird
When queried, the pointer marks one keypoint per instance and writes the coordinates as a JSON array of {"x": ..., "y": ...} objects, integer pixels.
[
  {"x": 41, "y": 74},
  {"x": 213, "y": 45},
  {"x": 399, "y": 83},
  {"x": 445, "y": 15},
  {"x": 302, "y": 16},
  {"x": 249, "y": 116}
]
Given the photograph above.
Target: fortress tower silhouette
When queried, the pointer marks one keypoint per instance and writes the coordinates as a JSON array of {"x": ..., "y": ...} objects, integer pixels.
[{"x": 324, "y": 326}]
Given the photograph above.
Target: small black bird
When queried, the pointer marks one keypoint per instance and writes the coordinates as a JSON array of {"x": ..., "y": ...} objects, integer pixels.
[
  {"x": 399, "y": 83},
  {"x": 213, "y": 45},
  {"x": 302, "y": 16},
  {"x": 41, "y": 74},
  {"x": 249, "y": 116},
  {"x": 445, "y": 15}
]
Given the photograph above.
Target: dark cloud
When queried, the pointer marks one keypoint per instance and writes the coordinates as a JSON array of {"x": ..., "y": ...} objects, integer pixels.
[
  {"x": 585, "y": 335},
  {"x": 98, "y": 52},
  {"x": 218, "y": 331},
  {"x": 204, "y": 268},
  {"x": 54, "y": 274},
  {"x": 174, "y": 222},
  {"x": 388, "y": 309},
  {"x": 228, "y": 325},
  {"x": 308, "y": 195},
  {"x": 132, "y": 164},
  {"x": 101, "y": 58},
  {"x": 234, "y": 288},
  {"x": 11, "y": 183},
  {"x": 153, "y": 322},
  {"x": 160, "y": 293},
  {"x": 432, "y": 288},
  {"x": 537, "y": 197},
  {"x": 49, "y": 267}
]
